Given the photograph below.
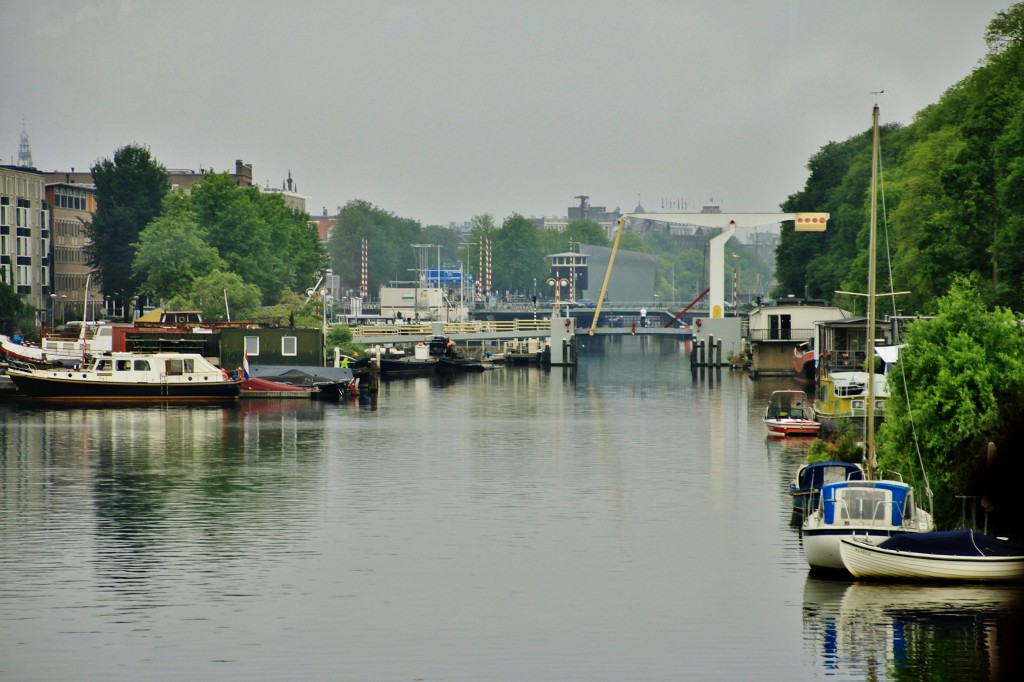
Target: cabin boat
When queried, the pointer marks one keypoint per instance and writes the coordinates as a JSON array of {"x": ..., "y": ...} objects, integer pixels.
[
  {"x": 789, "y": 414},
  {"x": 872, "y": 510},
  {"x": 130, "y": 376},
  {"x": 811, "y": 478},
  {"x": 61, "y": 350}
]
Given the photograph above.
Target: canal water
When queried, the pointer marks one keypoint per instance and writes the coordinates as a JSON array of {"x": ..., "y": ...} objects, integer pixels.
[{"x": 626, "y": 520}]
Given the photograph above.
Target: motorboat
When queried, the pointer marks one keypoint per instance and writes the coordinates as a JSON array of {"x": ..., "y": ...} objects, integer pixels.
[
  {"x": 941, "y": 555},
  {"x": 812, "y": 477},
  {"x": 872, "y": 510},
  {"x": 129, "y": 376},
  {"x": 789, "y": 414}
]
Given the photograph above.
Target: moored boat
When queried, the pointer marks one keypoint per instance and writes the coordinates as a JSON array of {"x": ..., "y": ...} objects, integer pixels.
[
  {"x": 870, "y": 509},
  {"x": 805, "y": 365},
  {"x": 323, "y": 382},
  {"x": 264, "y": 388},
  {"x": 788, "y": 414},
  {"x": 811, "y": 478},
  {"x": 943, "y": 555},
  {"x": 130, "y": 376}
]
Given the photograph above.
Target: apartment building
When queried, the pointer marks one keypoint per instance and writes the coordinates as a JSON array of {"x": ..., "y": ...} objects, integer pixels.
[
  {"x": 25, "y": 256},
  {"x": 72, "y": 205}
]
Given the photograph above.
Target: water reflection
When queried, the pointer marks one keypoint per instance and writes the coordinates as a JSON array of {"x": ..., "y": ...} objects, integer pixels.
[
  {"x": 907, "y": 631},
  {"x": 144, "y": 487},
  {"x": 619, "y": 521}
]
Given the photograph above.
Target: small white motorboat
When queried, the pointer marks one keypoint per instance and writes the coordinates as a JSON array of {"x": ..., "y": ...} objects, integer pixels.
[{"x": 789, "y": 414}]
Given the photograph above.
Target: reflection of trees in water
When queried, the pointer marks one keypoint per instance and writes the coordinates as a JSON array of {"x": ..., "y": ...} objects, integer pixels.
[
  {"x": 909, "y": 631},
  {"x": 221, "y": 486}
]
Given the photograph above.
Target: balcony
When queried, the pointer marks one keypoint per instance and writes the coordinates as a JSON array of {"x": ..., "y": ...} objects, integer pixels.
[{"x": 780, "y": 335}]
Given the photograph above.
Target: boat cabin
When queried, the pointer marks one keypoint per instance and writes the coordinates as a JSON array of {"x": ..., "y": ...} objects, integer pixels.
[{"x": 858, "y": 503}]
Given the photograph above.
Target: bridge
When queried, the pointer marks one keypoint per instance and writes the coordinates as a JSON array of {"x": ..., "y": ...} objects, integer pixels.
[{"x": 508, "y": 325}]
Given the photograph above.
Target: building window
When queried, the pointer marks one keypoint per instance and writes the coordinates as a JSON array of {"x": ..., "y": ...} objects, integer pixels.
[
  {"x": 289, "y": 346},
  {"x": 252, "y": 345}
]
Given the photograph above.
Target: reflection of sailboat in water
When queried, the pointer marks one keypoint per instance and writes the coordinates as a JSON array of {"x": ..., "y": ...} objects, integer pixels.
[{"x": 860, "y": 629}]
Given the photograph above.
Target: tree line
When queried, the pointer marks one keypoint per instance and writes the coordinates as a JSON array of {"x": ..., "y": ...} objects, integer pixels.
[
  {"x": 223, "y": 249},
  {"x": 951, "y": 229},
  {"x": 953, "y": 190},
  {"x": 518, "y": 251}
]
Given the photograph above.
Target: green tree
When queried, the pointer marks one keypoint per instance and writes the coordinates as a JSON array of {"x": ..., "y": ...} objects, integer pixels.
[
  {"x": 389, "y": 241},
  {"x": 301, "y": 256},
  {"x": 171, "y": 252},
  {"x": 231, "y": 222},
  {"x": 517, "y": 253},
  {"x": 129, "y": 195},
  {"x": 15, "y": 314},
  {"x": 209, "y": 292},
  {"x": 961, "y": 373},
  {"x": 586, "y": 232}
]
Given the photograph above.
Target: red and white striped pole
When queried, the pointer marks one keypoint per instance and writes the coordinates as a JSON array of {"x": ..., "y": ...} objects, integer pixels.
[{"x": 364, "y": 271}]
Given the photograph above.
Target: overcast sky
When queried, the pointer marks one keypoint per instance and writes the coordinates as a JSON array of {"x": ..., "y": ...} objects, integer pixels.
[{"x": 442, "y": 110}]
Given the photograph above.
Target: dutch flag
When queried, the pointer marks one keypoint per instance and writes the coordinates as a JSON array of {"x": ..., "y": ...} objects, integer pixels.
[{"x": 245, "y": 366}]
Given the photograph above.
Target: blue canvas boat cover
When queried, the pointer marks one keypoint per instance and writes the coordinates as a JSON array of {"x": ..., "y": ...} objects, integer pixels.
[{"x": 963, "y": 542}]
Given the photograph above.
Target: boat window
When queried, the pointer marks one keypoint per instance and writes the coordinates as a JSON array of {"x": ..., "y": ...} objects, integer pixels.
[
  {"x": 142, "y": 365},
  {"x": 289, "y": 345},
  {"x": 104, "y": 365},
  {"x": 123, "y": 365},
  {"x": 173, "y": 367},
  {"x": 189, "y": 365}
]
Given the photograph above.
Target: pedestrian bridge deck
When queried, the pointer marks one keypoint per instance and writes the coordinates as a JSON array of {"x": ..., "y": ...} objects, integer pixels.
[{"x": 488, "y": 330}]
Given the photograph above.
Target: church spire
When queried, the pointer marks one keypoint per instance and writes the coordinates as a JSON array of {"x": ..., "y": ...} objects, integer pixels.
[{"x": 24, "y": 150}]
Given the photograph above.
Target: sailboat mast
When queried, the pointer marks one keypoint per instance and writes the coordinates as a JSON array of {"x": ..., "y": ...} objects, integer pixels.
[{"x": 870, "y": 411}]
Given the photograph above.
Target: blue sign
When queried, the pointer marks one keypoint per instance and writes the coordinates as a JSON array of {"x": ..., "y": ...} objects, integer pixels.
[{"x": 444, "y": 276}]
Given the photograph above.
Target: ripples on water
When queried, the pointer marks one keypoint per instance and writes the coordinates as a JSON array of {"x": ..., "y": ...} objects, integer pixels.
[{"x": 625, "y": 520}]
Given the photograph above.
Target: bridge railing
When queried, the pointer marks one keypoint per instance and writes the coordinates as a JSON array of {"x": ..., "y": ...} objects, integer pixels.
[{"x": 468, "y": 327}]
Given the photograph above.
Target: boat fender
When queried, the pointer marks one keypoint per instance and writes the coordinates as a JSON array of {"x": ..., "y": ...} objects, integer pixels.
[{"x": 567, "y": 322}]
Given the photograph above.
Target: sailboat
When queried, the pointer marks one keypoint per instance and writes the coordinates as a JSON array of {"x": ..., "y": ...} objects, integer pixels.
[{"x": 871, "y": 509}]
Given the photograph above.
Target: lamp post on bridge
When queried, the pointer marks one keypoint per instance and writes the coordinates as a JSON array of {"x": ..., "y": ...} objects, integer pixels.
[{"x": 558, "y": 283}]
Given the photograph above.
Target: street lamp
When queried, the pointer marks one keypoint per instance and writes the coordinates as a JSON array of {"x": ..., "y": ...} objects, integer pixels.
[{"x": 558, "y": 284}]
